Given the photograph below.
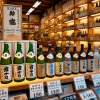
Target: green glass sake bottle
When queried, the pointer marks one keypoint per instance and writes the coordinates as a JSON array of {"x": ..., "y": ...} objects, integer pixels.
[
  {"x": 41, "y": 69},
  {"x": 19, "y": 67},
  {"x": 59, "y": 62},
  {"x": 6, "y": 65},
  {"x": 30, "y": 64}
]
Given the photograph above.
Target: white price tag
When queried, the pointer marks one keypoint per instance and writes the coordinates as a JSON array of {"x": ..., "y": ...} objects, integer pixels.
[
  {"x": 80, "y": 83},
  {"x": 96, "y": 79},
  {"x": 54, "y": 87},
  {"x": 4, "y": 94},
  {"x": 36, "y": 90}
]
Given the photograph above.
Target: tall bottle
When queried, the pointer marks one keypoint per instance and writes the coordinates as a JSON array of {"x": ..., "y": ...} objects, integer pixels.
[
  {"x": 96, "y": 59},
  {"x": 75, "y": 61},
  {"x": 83, "y": 60},
  {"x": 90, "y": 59},
  {"x": 67, "y": 61},
  {"x": 6, "y": 65},
  {"x": 19, "y": 67},
  {"x": 59, "y": 62},
  {"x": 30, "y": 64},
  {"x": 41, "y": 69}
]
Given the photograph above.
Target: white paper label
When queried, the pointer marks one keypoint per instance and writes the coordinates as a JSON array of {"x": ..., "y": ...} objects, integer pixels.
[
  {"x": 54, "y": 87},
  {"x": 96, "y": 79},
  {"x": 83, "y": 65},
  {"x": 75, "y": 66},
  {"x": 75, "y": 55},
  {"x": 67, "y": 67},
  {"x": 19, "y": 55},
  {"x": 50, "y": 56},
  {"x": 90, "y": 54},
  {"x": 4, "y": 94},
  {"x": 88, "y": 95},
  {"x": 80, "y": 83},
  {"x": 30, "y": 70},
  {"x": 59, "y": 55},
  {"x": 68, "y": 55},
  {"x": 90, "y": 64},
  {"x": 36, "y": 90},
  {"x": 6, "y": 55},
  {"x": 19, "y": 71},
  {"x": 59, "y": 67},
  {"x": 50, "y": 69},
  {"x": 30, "y": 55},
  {"x": 41, "y": 57},
  {"x": 83, "y": 54},
  {"x": 6, "y": 72}
]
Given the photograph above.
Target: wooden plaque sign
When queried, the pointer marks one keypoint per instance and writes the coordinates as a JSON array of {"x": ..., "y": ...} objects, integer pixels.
[{"x": 12, "y": 22}]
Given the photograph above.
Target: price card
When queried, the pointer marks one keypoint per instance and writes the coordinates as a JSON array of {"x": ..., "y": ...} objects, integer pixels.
[
  {"x": 36, "y": 90},
  {"x": 54, "y": 87},
  {"x": 80, "y": 83},
  {"x": 96, "y": 79},
  {"x": 4, "y": 94}
]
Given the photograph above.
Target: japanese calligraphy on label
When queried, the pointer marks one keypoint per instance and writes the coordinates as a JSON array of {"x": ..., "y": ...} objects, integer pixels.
[
  {"x": 6, "y": 55},
  {"x": 19, "y": 55},
  {"x": 30, "y": 55}
]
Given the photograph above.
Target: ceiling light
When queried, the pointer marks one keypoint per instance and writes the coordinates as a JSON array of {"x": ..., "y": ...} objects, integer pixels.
[
  {"x": 27, "y": 13},
  {"x": 30, "y": 10},
  {"x": 37, "y": 3}
]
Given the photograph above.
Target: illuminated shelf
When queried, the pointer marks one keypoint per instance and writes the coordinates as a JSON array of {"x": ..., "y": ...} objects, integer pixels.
[
  {"x": 68, "y": 30},
  {"x": 81, "y": 28},
  {"x": 94, "y": 27},
  {"x": 83, "y": 17},
  {"x": 96, "y": 14},
  {"x": 68, "y": 21},
  {"x": 95, "y": 1}
]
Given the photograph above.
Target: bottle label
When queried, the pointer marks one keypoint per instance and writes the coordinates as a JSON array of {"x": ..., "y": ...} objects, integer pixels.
[
  {"x": 90, "y": 64},
  {"x": 59, "y": 55},
  {"x": 40, "y": 70},
  {"x": 75, "y": 55},
  {"x": 30, "y": 55},
  {"x": 6, "y": 55},
  {"x": 90, "y": 54},
  {"x": 68, "y": 55},
  {"x": 19, "y": 55},
  {"x": 83, "y": 54},
  {"x": 50, "y": 56},
  {"x": 6, "y": 72},
  {"x": 67, "y": 67},
  {"x": 75, "y": 66},
  {"x": 83, "y": 65},
  {"x": 19, "y": 71},
  {"x": 30, "y": 70},
  {"x": 41, "y": 57},
  {"x": 59, "y": 67},
  {"x": 50, "y": 69}
]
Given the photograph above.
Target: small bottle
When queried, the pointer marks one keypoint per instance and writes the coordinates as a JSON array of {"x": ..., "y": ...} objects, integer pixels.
[
  {"x": 50, "y": 65},
  {"x": 83, "y": 60},
  {"x": 75, "y": 61},
  {"x": 41, "y": 69},
  {"x": 90, "y": 59},
  {"x": 59, "y": 62},
  {"x": 67, "y": 62}
]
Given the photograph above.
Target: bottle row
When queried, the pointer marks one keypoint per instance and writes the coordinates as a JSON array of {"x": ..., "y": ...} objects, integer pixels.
[{"x": 47, "y": 66}]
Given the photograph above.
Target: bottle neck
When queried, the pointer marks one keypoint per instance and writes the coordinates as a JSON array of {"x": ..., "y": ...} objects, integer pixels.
[
  {"x": 82, "y": 48},
  {"x": 58, "y": 49},
  {"x": 96, "y": 49},
  {"x": 67, "y": 49},
  {"x": 49, "y": 49},
  {"x": 30, "y": 48},
  {"x": 40, "y": 51},
  {"x": 6, "y": 48},
  {"x": 19, "y": 48},
  {"x": 89, "y": 48},
  {"x": 74, "y": 50}
]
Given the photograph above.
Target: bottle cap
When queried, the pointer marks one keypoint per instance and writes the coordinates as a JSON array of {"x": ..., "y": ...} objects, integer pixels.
[
  {"x": 49, "y": 44},
  {"x": 18, "y": 43},
  {"x": 30, "y": 42},
  {"x": 58, "y": 45},
  {"x": 67, "y": 45},
  {"x": 40, "y": 46},
  {"x": 5, "y": 42},
  {"x": 74, "y": 45}
]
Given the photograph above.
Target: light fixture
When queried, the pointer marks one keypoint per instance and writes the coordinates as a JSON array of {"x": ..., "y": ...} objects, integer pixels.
[
  {"x": 30, "y": 10},
  {"x": 37, "y": 3}
]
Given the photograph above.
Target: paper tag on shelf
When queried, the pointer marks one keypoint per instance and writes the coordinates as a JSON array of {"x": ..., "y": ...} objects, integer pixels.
[
  {"x": 36, "y": 90},
  {"x": 96, "y": 79},
  {"x": 80, "y": 83},
  {"x": 4, "y": 94},
  {"x": 54, "y": 87}
]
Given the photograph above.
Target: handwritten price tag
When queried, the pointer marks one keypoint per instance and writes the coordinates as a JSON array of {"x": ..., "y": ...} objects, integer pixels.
[
  {"x": 80, "y": 83},
  {"x": 96, "y": 79},
  {"x": 36, "y": 90},
  {"x": 54, "y": 87}
]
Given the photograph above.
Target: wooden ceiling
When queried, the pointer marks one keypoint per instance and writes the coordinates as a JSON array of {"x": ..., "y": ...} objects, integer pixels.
[{"x": 27, "y": 4}]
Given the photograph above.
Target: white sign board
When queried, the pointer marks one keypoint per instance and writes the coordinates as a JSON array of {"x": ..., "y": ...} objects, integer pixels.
[{"x": 12, "y": 22}]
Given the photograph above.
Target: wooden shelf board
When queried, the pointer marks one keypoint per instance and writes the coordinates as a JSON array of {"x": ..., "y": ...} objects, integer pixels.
[{"x": 25, "y": 84}]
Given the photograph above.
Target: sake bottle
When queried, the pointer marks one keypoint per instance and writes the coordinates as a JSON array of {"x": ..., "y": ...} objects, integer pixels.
[
  {"x": 59, "y": 62},
  {"x": 75, "y": 61},
  {"x": 90, "y": 59},
  {"x": 67, "y": 61},
  {"x": 30, "y": 64},
  {"x": 83, "y": 60},
  {"x": 50, "y": 65},
  {"x": 19, "y": 67},
  {"x": 6, "y": 65},
  {"x": 41, "y": 68}
]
